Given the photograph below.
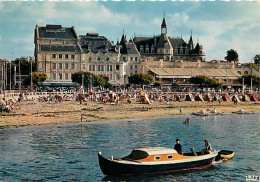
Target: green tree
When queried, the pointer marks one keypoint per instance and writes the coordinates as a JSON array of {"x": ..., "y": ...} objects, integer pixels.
[
  {"x": 141, "y": 79},
  {"x": 247, "y": 80},
  {"x": 204, "y": 81},
  {"x": 89, "y": 78},
  {"x": 36, "y": 78},
  {"x": 257, "y": 59},
  {"x": 232, "y": 55}
]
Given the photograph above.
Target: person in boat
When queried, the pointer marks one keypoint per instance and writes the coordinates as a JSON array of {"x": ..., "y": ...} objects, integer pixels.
[
  {"x": 193, "y": 153},
  {"x": 178, "y": 147},
  {"x": 208, "y": 147}
]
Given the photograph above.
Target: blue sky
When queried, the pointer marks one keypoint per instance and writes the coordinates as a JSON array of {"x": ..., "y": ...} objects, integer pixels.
[{"x": 218, "y": 26}]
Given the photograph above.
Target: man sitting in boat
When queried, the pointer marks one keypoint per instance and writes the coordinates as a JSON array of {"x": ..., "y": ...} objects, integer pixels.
[
  {"x": 193, "y": 153},
  {"x": 178, "y": 147},
  {"x": 208, "y": 147}
]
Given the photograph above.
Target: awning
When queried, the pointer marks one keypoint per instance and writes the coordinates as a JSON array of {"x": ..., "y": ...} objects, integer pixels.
[
  {"x": 59, "y": 84},
  {"x": 192, "y": 72}
]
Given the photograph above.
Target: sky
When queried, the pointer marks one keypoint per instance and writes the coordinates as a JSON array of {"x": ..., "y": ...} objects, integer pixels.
[{"x": 217, "y": 25}]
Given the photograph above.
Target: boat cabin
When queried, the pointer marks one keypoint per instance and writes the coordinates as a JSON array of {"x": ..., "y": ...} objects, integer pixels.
[{"x": 153, "y": 154}]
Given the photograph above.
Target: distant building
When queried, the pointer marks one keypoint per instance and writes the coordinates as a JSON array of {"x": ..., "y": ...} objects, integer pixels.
[
  {"x": 57, "y": 52},
  {"x": 168, "y": 48}
]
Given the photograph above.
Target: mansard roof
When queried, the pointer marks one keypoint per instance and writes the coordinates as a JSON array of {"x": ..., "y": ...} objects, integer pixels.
[
  {"x": 176, "y": 42},
  {"x": 56, "y": 32},
  {"x": 130, "y": 48},
  {"x": 53, "y": 48}
]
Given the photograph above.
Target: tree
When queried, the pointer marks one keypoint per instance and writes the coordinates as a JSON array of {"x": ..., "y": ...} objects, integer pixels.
[
  {"x": 257, "y": 59},
  {"x": 141, "y": 79},
  {"x": 204, "y": 81},
  {"x": 247, "y": 80},
  {"x": 89, "y": 78},
  {"x": 36, "y": 78},
  {"x": 232, "y": 55}
]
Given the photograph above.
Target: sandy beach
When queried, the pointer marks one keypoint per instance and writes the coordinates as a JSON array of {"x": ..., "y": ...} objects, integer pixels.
[{"x": 32, "y": 113}]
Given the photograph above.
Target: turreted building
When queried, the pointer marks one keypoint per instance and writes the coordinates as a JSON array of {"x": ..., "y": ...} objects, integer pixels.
[{"x": 168, "y": 48}]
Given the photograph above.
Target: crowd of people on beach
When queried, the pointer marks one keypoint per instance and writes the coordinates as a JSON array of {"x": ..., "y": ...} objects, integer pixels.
[{"x": 127, "y": 96}]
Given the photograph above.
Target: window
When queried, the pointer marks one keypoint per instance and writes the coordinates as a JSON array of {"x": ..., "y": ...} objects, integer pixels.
[
  {"x": 60, "y": 66},
  {"x": 124, "y": 59},
  {"x": 98, "y": 59},
  {"x": 169, "y": 157},
  {"x": 66, "y": 56},
  {"x": 107, "y": 67},
  {"x": 66, "y": 76},
  {"x": 117, "y": 67},
  {"x": 131, "y": 58},
  {"x": 157, "y": 158},
  {"x": 93, "y": 67},
  {"x": 117, "y": 77},
  {"x": 135, "y": 58},
  {"x": 89, "y": 67},
  {"x": 135, "y": 66},
  {"x": 131, "y": 67},
  {"x": 102, "y": 68},
  {"x": 66, "y": 65},
  {"x": 54, "y": 76},
  {"x": 239, "y": 72},
  {"x": 89, "y": 58},
  {"x": 60, "y": 56},
  {"x": 72, "y": 65},
  {"x": 111, "y": 68},
  {"x": 53, "y": 56},
  {"x": 107, "y": 58},
  {"x": 84, "y": 67},
  {"x": 53, "y": 65},
  {"x": 99, "y": 66},
  {"x": 60, "y": 76},
  {"x": 246, "y": 72},
  {"x": 72, "y": 56}
]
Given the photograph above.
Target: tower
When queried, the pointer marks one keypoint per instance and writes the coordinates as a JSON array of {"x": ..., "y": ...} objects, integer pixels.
[{"x": 164, "y": 26}]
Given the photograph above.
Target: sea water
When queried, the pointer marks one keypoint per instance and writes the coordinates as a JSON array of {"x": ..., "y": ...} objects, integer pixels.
[{"x": 69, "y": 152}]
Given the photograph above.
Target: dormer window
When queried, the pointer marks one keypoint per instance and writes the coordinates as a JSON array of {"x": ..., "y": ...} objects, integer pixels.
[{"x": 141, "y": 48}]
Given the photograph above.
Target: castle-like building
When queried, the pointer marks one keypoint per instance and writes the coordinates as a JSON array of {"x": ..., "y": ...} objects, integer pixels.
[
  {"x": 60, "y": 52},
  {"x": 167, "y": 48}
]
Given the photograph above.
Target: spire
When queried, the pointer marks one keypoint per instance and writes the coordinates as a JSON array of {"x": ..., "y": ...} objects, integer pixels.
[
  {"x": 164, "y": 26},
  {"x": 123, "y": 38},
  {"x": 191, "y": 46}
]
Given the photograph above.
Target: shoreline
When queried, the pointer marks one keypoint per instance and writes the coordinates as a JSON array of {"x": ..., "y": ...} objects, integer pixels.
[{"x": 30, "y": 113}]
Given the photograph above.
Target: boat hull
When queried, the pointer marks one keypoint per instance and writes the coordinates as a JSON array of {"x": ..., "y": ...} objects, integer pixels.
[{"x": 115, "y": 168}]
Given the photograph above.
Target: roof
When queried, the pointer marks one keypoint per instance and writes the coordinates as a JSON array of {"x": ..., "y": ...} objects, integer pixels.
[
  {"x": 130, "y": 48},
  {"x": 57, "y": 32},
  {"x": 191, "y": 72},
  {"x": 156, "y": 150},
  {"x": 60, "y": 48},
  {"x": 176, "y": 42}
]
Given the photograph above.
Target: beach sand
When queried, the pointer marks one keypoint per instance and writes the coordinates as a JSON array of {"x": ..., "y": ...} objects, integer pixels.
[{"x": 31, "y": 113}]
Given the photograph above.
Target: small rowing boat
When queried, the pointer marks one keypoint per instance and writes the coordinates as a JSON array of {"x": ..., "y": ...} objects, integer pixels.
[
  {"x": 225, "y": 154},
  {"x": 153, "y": 160}
]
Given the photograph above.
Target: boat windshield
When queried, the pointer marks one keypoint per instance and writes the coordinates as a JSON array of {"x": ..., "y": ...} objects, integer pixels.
[{"x": 137, "y": 155}]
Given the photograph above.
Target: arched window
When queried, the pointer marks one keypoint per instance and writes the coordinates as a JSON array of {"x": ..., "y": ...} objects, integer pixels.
[
  {"x": 89, "y": 58},
  {"x": 98, "y": 58}
]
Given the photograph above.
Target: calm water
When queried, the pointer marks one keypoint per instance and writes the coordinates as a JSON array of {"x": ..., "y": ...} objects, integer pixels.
[{"x": 69, "y": 153}]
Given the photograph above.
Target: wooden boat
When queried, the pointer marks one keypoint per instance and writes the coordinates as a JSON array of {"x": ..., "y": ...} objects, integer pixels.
[
  {"x": 225, "y": 154},
  {"x": 153, "y": 160}
]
